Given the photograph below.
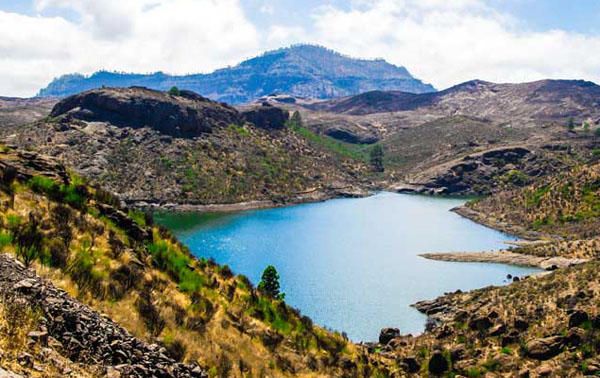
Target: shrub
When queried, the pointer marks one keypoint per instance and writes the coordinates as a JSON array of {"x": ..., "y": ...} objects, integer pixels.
[
  {"x": 5, "y": 239},
  {"x": 174, "y": 91},
  {"x": 148, "y": 311},
  {"x": 28, "y": 238},
  {"x": 58, "y": 253}
]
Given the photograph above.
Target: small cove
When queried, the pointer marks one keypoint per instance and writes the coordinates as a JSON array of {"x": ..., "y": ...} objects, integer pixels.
[{"x": 351, "y": 264}]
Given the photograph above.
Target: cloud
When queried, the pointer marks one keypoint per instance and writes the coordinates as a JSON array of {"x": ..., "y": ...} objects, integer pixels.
[
  {"x": 446, "y": 43},
  {"x": 175, "y": 36},
  {"x": 439, "y": 41}
]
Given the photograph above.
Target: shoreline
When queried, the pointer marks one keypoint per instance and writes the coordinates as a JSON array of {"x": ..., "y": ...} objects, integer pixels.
[
  {"x": 301, "y": 198},
  {"x": 505, "y": 257}
]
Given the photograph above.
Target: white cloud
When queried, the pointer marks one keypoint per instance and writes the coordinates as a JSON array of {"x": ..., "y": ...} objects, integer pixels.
[
  {"x": 442, "y": 42},
  {"x": 176, "y": 36},
  {"x": 448, "y": 42}
]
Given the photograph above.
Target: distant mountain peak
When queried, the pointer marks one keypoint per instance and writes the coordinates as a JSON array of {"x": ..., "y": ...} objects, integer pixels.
[{"x": 302, "y": 70}]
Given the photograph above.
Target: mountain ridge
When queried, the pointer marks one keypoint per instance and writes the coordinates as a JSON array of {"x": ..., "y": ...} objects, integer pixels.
[{"x": 299, "y": 70}]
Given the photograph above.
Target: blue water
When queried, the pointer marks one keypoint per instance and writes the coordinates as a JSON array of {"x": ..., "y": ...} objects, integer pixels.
[{"x": 351, "y": 264}]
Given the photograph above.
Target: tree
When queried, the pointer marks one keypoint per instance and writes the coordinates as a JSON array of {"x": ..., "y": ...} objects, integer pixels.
[
  {"x": 296, "y": 120},
  {"x": 597, "y": 132},
  {"x": 269, "y": 283},
  {"x": 571, "y": 124},
  {"x": 174, "y": 91},
  {"x": 376, "y": 158},
  {"x": 586, "y": 126}
]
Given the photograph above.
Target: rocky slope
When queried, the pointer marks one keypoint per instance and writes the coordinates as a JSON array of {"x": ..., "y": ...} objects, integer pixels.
[
  {"x": 169, "y": 306},
  {"x": 302, "y": 70},
  {"x": 76, "y": 332},
  {"x": 430, "y": 139},
  {"x": 156, "y": 149},
  {"x": 18, "y": 111}
]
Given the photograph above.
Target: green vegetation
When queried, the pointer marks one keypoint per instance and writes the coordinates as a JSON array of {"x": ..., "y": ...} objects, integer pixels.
[
  {"x": 174, "y": 91},
  {"x": 240, "y": 130},
  {"x": 597, "y": 132},
  {"x": 515, "y": 177},
  {"x": 73, "y": 194},
  {"x": 348, "y": 150},
  {"x": 177, "y": 264},
  {"x": 269, "y": 283},
  {"x": 571, "y": 124}
]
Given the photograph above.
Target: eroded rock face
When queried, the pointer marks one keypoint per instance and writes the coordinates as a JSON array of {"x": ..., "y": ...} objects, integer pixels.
[
  {"x": 267, "y": 116},
  {"x": 185, "y": 115},
  {"x": 81, "y": 333}
]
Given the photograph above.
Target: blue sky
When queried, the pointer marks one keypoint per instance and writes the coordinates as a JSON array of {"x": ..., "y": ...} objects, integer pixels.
[{"x": 442, "y": 42}]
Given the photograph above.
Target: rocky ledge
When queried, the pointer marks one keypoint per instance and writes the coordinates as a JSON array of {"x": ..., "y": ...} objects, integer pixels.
[{"x": 81, "y": 334}]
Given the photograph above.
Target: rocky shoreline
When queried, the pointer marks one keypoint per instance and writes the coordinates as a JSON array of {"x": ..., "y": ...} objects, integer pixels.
[
  {"x": 506, "y": 257},
  {"x": 312, "y": 196}
]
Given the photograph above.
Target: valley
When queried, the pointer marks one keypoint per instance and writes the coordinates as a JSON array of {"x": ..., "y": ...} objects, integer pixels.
[{"x": 82, "y": 174}]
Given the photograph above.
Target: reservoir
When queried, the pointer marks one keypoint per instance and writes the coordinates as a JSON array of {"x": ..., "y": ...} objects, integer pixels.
[{"x": 352, "y": 265}]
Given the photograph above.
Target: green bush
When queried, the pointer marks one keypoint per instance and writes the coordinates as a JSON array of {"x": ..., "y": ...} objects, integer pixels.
[
  {"x": 72, "y": 194},
  {"x": 177, "y": 265}
]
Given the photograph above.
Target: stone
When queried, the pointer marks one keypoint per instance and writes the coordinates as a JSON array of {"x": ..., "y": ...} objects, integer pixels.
[
  {"x": 521, "y": 324},
  {"x": 577, "y": 318},
  {"x": 410, "y": 364},
  {"x": 575, "y": 336},
  {"x": 480, "y": 324},
  {"x": 438, "y": 363},
  {"x": 25, "y": 359},
  {"x": 458, "y": 352},
  {"x": 39, "y": 337},
  {"x": 545, "y": 348},
  {"x": 497, "y": 330},
  {"x": 387, "y": 334}
]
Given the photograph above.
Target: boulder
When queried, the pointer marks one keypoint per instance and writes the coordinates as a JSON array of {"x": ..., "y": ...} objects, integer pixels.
[
  {"x": 410, "y": 364},
  {"x": 480, "y": 323},
  {"x": 387, "y": 334},
  {"x": 577, "y": 318},
  {"x": 545, "y": 348}
]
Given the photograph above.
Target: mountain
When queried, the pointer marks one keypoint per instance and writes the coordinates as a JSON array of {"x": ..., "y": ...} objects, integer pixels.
[{"x": 301, "y": 70}]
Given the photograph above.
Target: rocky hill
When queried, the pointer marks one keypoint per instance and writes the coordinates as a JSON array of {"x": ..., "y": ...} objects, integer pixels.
[
  {"x": 302, "y": 70},
  {"x": 441, "y": 142},
  {"x": 154, "y": 148},
  {"x": 143, "y": 303}
]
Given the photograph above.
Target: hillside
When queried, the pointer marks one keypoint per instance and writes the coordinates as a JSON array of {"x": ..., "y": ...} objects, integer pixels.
[
  {"x": 441, "y": 142},
  {"x": 17, "y": 111},
  {"x": 301, "y": 70},
  {"x": 566, "y": 203},
  {"x": 171, "y": 306},
  {"x": 159, "y": 149}
]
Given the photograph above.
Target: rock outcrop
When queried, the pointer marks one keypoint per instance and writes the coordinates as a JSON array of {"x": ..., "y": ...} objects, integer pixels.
[
  {"x": 267, "y": 116},
  {"x": 183, "y": 115}
]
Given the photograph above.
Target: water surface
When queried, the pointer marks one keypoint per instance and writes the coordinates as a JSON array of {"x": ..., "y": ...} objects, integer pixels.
[{"x": 351, "y": 264}]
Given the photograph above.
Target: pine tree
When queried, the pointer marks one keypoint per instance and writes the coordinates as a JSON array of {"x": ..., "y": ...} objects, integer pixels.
[
  {"x": 269, "y": 283},
  {"x": 376, "y": 158},
  {"x": 174, "y": 91}
]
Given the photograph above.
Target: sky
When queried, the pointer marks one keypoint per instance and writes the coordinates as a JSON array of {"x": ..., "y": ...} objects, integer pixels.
[{"x": 439, "y": 41}]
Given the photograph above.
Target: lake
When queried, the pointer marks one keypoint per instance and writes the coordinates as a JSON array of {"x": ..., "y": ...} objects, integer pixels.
[{"x": 351, "y": 264}]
